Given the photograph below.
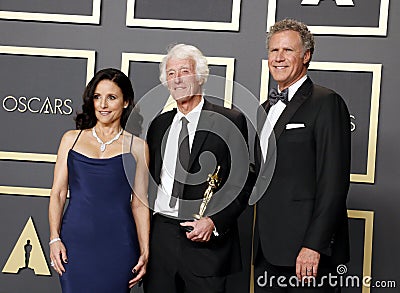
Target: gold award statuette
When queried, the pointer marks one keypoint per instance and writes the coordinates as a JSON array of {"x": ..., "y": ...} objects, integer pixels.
[{"x": 213, "y": 183}]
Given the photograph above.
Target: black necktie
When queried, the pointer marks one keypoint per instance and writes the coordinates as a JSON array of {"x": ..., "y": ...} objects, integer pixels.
[
  {"x": 182, "y": 162},
  {"x": 274, "y": 96}
]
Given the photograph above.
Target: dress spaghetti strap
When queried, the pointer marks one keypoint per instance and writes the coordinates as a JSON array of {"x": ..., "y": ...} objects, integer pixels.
[
  {"x": 131, "y": 143},
  {"x": 76, "y": 139}
]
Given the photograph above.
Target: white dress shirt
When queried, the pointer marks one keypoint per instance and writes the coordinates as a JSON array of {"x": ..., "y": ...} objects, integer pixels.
[
  {"x": 170, "y": 156},
  {"x": 273, "y": 115}
]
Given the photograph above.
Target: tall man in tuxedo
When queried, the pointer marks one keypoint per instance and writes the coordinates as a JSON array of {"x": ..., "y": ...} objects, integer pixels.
[
  {"x": 186, "y": 255},
  {"x": 301, "y": 230}
]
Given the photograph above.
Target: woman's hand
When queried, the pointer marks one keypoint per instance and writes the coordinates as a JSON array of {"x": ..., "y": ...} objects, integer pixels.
[
  {"x": 139, "y": 270},
  {"x": 58, "y": 256}
]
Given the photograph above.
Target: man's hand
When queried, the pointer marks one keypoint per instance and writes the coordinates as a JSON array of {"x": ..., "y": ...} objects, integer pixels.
[
  {"x": 202, "y": 229},
  {"x": 307, "y": 263}
]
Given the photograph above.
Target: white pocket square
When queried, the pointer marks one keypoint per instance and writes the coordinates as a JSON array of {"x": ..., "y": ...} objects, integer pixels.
[{"x": 295, "y": 125}]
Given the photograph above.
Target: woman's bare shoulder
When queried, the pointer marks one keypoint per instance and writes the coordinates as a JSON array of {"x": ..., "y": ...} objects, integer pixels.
[
  {"x": 139, "y": 147},
  {"x": 69, "y": 137}
]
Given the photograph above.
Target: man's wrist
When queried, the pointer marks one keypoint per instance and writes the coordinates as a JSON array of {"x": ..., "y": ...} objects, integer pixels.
[{"x": 215, "y": 232}]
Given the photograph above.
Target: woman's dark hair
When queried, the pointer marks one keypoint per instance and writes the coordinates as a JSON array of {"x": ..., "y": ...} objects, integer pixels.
[{"x": 87, "y": 118}]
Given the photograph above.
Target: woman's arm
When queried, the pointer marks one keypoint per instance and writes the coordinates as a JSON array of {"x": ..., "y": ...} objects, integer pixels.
[
  {"x": 58, "y": 195},
  {"x": 140, "y": 207}
]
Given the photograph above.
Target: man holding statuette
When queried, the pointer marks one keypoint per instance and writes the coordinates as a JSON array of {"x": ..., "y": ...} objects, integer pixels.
[{"x": 194, "y": 191}]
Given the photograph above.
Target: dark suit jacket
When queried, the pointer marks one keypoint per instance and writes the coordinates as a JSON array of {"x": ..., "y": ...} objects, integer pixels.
[
  {"x": 305, "y": 203},
  {"x": 221, "y": 255}
]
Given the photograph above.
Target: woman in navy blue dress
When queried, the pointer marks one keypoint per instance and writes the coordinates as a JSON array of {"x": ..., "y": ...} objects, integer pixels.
[{"x": 101, "y": 243}]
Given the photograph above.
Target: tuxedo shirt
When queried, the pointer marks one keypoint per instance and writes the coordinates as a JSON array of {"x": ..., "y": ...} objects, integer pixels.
[
  {"x": 273, "y": 115},
  {"x": 171, "y": 150}
]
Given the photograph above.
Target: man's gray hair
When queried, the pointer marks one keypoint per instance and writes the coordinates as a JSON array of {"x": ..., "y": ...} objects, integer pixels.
[{"x": 183, "y": 51}]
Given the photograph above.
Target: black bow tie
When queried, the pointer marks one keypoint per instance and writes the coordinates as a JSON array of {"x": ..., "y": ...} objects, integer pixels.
[{"x": 274, "y": 96}]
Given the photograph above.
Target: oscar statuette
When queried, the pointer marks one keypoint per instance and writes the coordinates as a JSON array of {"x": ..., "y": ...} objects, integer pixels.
[{"x": 213, "y": 183}]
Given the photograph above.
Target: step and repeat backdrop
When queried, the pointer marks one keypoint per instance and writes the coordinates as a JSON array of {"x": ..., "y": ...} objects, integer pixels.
[{"x": 50, "y": 50}]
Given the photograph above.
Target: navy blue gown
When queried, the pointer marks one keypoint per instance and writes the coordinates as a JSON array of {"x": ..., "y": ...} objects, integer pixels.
[{"x": 98, "y": 229}]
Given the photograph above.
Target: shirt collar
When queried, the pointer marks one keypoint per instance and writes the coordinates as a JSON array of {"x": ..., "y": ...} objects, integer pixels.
[
  {"x": 192, "y": 114},
  {"x": 294, "y": 87}
]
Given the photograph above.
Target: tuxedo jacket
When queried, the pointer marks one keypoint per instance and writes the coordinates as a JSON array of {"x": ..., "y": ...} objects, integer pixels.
[
  {"x": 304, "y": 204},
  {"x": 220, "y": 140}
]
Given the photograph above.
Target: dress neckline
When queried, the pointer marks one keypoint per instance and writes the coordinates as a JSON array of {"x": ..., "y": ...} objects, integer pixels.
[{"x": 98, "y": 159}]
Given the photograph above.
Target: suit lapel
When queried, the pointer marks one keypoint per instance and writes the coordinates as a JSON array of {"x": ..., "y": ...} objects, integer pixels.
[
  {"x": 298, "y": 99},
  {"x": 158, "y": 141},
  {"x": 262, "y": 113},
  {"x": 205, "y": 125},
  {"x": 165, "y": 128},
  {"x": 162, "y": 133}
]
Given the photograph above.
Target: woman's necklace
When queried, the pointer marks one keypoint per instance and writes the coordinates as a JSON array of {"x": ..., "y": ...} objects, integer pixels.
[{"x": 104, "y": 144}]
